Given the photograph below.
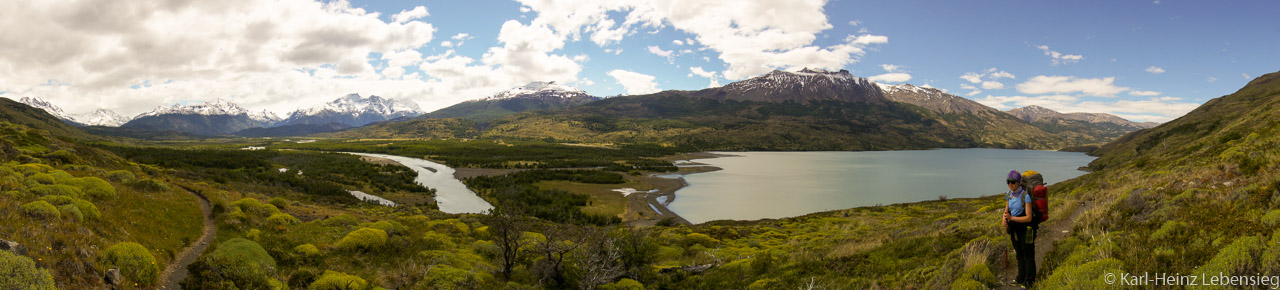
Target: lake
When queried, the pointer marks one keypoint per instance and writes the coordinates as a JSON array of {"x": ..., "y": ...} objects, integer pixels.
[
  {"x": 755, "y": 185},
  {"x": 451, "y": 195}
]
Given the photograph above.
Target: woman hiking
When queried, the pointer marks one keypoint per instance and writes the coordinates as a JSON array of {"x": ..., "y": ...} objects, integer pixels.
[{"x": 1017, "y": 222}]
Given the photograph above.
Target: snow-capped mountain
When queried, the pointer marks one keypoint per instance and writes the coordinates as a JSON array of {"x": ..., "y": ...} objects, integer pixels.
[
  {"x": 533, "y": 96},
  {"x": 217, "y": 117},
  {"x": 932, "y": 99},
  {"x": 1035, "y": 114},
  {"x": 212, "y": 108},
  {"x": 804, "y": 86},
  {"x": 49, "y": 108},
  {"x": 102, "y": 117},
  {"x": 354, "y": 110}
]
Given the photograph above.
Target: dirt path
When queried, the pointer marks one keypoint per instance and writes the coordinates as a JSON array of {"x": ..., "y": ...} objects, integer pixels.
[
  {"x": 176, "y": 271},
  {"x": 1049, "y": 232}
]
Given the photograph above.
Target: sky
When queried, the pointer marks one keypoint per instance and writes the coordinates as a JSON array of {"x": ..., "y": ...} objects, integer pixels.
[{"x": 1143, "y": 60}]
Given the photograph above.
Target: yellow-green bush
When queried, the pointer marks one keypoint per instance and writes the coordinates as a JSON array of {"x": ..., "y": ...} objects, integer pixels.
[
  {"x": 41, "y": 209},
  {"x": 136, "y": 264},
  {"x": 624, "y": 284},
  {"x": 281, "y": 221},
  {"x": 256, "y": 208},
  {"x": 363, "y": 239},
  {"x": 147, "y": 184},
  {"x": 700, "y": 239},
  {"x": 341, "y": 220},
  {"x": 71, "y": 211},
  {"x": 436, "y": 240},
  {"x": 280, "y": 203},
  {"x": 334, "y": 280},
  {"x": 1087, "y": 275},
  {"x": 1239, "y": 258},
  {"x": 18, "y": 272},
  {"x": 982, "y": 274},
  {"x": 306, "y": 250},
  {"x": 767, "y": 283},
  {"x": 391, "y": 227},
  {"x": 242, "y": 251},
  {"x": 1272, "y": 218},
  {"x": 450, "y": 226},
  {"x": 86, "y": 208},
  {"x": 96, "y": 188},
  {"x": 57, "y": 189},
  {"x": 965, "y": 283},
  {"x": 449, "y": 277},
  {"x": 121, "y": 176},
  {"x": 30, "y": 169}
]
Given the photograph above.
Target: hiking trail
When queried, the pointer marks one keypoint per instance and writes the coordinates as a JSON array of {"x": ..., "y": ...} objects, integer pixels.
[{"x": 176, "y": 271}]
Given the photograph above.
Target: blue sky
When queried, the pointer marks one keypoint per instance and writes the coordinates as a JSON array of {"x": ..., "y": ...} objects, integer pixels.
[{"x": 1143, "y": 60}]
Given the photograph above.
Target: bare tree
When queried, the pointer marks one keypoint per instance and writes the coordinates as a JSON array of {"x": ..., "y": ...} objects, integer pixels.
[
  {"x": 507, "y": 230},
  {"x": 638, "y": 251},
  {"x": 560, "y": 241},
  {"x": 598, "y": 259}
]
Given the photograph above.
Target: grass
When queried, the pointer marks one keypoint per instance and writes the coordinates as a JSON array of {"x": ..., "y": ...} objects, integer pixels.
[{"x": 604, "y": 201}]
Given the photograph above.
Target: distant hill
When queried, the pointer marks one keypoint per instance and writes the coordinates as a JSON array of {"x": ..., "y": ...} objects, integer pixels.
[
  {"x": 18, "y": 113},
  {"x": 531, "y": 97},
  {"x": 353, "y": 111},
  {"x": 1083, "y": 128}
]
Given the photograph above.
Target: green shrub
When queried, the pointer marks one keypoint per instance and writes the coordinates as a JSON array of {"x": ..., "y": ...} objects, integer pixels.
[
  {"x": 86, "y": 208},
  {"x": 1271, "y": 256},
  {"x": 624, "y": 284},
  {"x": 333, "y": 280},
  {"x": 1272, "y": 218},
  {"x": 280, "y": 203},
  {"x": 964, "y": 283},
  {"x": 57, "y": 189},
  {"x": 982, "y": 274},
  {"x": 220, "y": 273},
  {"x": 436, "y": 240},
  {"x": 32, "y": 168},
  {"x": 341, "y": 220},
  {"x": 58, "y": 199},
  {"x": 306, "y": 250},
  {"x": 1170, "y": 230},
  {"x": 97, "y": 188},
  {"x": 41, "y": 209},
  {"x": 242, "y": 251},
  {"x": 1087, "y": 275},
  {"x": 449, "y": 277},
  {"x": 147, "y": 184},
  {"x": 450, "y": 226},
  {"x": 1239, "y": 258},
  {"x": 71, "y": 211},
  {"x": 41, "y": 178},
  {"x": 700, "y": 239},
  {"x": 767, "y": 283},
  {"x": 391, "y": 227},
  {"x": 121, "y": 176},
  {"x": 136, "y": 264},
  {"x": 18, "y": 272},
  {"x": 363, "y": 239},
  {"x": 256, "y": 208},
  {"x": 281, "y": 221}
]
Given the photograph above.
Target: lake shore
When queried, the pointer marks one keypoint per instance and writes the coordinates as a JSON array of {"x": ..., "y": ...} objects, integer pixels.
[{"x": 649, "y": 208}]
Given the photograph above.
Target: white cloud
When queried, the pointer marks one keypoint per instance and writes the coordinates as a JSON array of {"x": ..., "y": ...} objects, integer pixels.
[
  {"x": 992, "y": 85},
  {"x": 634, "y": 83},
  {"x": 973, "y": 93},
  {"x": 1144, "y": 93},
  {"x": 890, "y": 68},
  {"x": 655, "y": 50},
  {"x": 1058, "y": 57},
  {"x": 1101, "y": 87},
  {"x": 698, "y": 71},
  {"x": 1212, "y": 79},
  {"x": 854, "y": 22},
  {"x": 988, "y": 79},
  {"x": 1246, "y": 76},
  {"x": 408, "y": 15},
  {"x": 677, "y": 42},
  {"x": 461, "y": 38},
  {"x": 972, "y": 77},
  {"x": 273, "y": 54},
  {"x": 890, "y": 78},
  {"x": 968, "y": 87},
  {"x": 752, "y": 37},
  {"x": 1155, "y": 70},
  {"x": 446, "y": 43}
]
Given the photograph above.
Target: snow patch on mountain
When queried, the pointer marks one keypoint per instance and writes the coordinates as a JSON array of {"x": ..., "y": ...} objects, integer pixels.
[
  {"x": 355, "y": 105},
  {"x": 47, "y": 107},
  {"x": 212, "y": 108},
  {"x": 102, "y": 117},
  {"x": 542, "y": 88}
]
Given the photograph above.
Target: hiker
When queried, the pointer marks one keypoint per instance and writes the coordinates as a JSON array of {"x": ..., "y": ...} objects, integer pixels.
[{"x": 1017, "y": 222}]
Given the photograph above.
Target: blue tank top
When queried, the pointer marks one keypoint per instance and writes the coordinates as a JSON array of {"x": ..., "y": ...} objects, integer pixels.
[{"x": 1017, "y": 201}]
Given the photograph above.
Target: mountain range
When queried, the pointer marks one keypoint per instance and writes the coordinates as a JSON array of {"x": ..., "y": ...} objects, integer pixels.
[{"x": 781, "y": 110}]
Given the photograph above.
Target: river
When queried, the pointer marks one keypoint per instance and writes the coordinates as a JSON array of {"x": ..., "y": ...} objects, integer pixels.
[
  {"x": 755, "y": 185},
  {"x": 451, "y": 195}
]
